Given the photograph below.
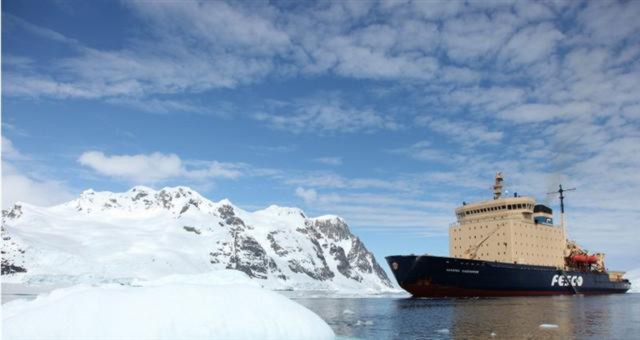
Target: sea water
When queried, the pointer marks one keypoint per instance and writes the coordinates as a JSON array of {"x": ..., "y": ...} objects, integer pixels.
[
  {"x": 556, "y": 317},
  {"x": 401, "y": 317}
]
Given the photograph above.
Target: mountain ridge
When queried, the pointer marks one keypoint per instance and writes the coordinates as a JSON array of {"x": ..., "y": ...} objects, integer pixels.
[{"x": 147, "y": 233}]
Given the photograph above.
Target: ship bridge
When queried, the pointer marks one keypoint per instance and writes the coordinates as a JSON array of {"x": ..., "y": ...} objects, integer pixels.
[{"x": 507, "y": 229}]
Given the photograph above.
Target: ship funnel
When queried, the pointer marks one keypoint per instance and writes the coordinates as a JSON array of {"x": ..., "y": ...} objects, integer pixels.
[{"x": 497, "y": 187}]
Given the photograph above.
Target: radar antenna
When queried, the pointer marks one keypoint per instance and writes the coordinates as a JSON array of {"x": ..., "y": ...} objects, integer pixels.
[{"x": 561, "y": 192}]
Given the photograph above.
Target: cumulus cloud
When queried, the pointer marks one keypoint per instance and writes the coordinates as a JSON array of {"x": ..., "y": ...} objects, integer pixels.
[
  {"x": 19, "y": 184},
  {"x": 156, "y": 167},
  {"x": 308, "y": 195}
]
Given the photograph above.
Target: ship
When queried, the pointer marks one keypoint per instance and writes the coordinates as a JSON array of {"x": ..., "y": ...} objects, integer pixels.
[{"x": 507, "y": 246}]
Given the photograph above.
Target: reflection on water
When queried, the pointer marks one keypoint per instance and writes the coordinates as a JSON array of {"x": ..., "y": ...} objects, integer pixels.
[{"x": 596, "y": 317}]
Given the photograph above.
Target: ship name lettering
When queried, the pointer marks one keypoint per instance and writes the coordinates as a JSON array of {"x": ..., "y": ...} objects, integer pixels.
[
  {"x": 565, "y": 280},
  {"x": 453, "y": 270},
  {"x": 470, "y": 271}
]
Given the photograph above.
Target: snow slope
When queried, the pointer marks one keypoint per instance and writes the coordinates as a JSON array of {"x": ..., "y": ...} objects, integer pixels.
[
  {"x": 228, "y": 306},
  {"x": 147, "y": 234}
]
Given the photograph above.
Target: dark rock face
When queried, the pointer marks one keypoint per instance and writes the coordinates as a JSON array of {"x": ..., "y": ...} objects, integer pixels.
[
  {"x": 275, "y": 246},
  {"x": 164, "y": 198},
  {"x": 8, "y": 268},
  {"x": 344, "y": 267},
  {"x": 334, "y": 229},
  {"x": 229, "y": 216},
  {"x": 358, "y": 260},
  {"x": 192, "y": 229},
  {"x": 8, "y": 262},
  {"x": 13, "y": 213},
  {"x": 251, "y": 258}
]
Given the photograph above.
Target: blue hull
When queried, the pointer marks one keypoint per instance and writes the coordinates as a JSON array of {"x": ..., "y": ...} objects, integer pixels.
[{"x": 434, "y": 276}]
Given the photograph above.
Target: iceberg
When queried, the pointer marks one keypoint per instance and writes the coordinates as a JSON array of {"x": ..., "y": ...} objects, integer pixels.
[{"x": 172, "y": 308}]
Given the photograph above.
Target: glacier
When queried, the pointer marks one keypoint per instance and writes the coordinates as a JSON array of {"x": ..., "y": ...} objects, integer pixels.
[{"x": 144, "y": 234}]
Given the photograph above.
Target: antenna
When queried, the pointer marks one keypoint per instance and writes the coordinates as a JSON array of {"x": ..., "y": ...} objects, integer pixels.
[{"x": 561, "y": 192}]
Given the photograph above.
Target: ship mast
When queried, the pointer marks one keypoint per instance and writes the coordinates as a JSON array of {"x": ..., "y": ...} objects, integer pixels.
[
  {"x": 561, "y": 192},
  {"x": 497, "y": 186}
]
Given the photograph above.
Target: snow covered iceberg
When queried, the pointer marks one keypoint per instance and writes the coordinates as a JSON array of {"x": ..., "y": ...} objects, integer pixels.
[{"x": 233, "y": 307}]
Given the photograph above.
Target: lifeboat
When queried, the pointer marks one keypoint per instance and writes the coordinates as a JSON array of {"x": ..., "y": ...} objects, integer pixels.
[{"x": 584, "y": 258}]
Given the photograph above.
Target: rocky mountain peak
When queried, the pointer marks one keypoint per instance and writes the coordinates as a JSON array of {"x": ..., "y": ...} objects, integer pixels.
[{"x": 176, "y": 230}]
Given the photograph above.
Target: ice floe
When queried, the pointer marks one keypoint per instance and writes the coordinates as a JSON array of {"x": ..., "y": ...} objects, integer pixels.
[
  {"x": 364, "y": 323},
  {"x": 171, "y": 308},
  {"x": 548, "y": 326}
]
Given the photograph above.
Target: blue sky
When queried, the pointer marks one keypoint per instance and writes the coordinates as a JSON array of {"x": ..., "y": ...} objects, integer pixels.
[{"x": 389, "y": 114}]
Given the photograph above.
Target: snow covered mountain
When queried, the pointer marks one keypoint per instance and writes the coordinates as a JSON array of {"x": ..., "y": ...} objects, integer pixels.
[{"x": 147, "y": 234}]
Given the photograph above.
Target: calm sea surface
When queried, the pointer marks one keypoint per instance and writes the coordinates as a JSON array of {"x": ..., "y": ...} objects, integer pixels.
[{"x": 561, "y": 317}]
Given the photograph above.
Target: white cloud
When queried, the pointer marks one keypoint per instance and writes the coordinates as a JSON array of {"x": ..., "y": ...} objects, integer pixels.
[
  {"x": 18, "y": 186},
  {"x": 381, "y": 211},
  {"x": 214, "y": 169},
  {"x": 608, "y": 23},
  {"x": 24, "y": 186},
  {"x": 9, "y": 152},
  {"x": 325, "y": 114},
  {"x": 329, "y": 160},
  {"x": 157, "y": 167},
  {"x": 138, "y": 168},
  {"x": 477, "y": 36},
  {"x": 422, "y": 151},
  {"x": 531, "y": 44},
  {"x": 308, "y": 195},
  {"x": 465, "y": 132},
  {"x": 331, "y": 180},
  {"x": 531, "y": 113}
]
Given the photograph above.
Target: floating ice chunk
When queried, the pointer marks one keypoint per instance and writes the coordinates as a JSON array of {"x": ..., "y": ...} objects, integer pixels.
[
  {"x": 364, "y": 323},
  {"x": 548, "y": 326},
  {"x": 217, "y": 277},
  {"x": 442, "y": 331},
  {"x": 348, "y": 312},
  {"x": 634, "y": 277},
  {"x": 172, "y": 311}
]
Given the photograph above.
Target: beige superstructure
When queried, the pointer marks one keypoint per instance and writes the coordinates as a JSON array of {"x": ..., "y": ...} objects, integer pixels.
[{"x": 511, "y": 230}]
